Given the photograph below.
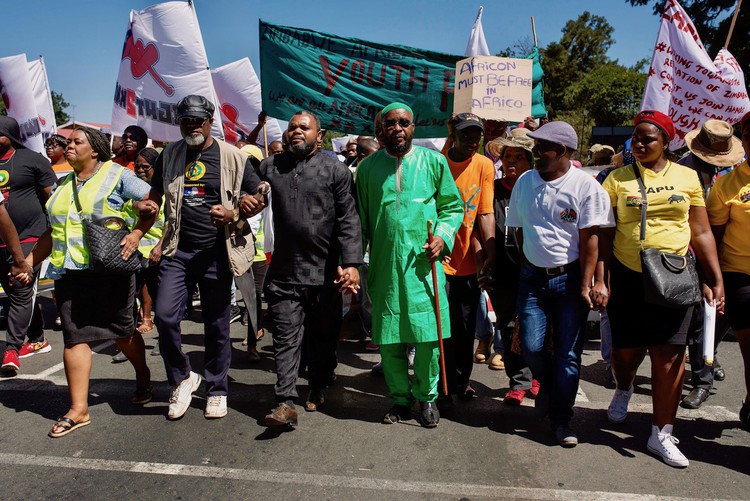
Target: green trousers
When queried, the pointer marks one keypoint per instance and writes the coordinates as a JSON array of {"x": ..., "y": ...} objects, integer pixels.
[{"x": 424, "y": 388}]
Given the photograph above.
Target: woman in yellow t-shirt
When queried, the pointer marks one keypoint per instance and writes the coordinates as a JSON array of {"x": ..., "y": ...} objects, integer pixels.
[
  {"x": 729, "y": 214},
  {"x": 676, "y": 219}
]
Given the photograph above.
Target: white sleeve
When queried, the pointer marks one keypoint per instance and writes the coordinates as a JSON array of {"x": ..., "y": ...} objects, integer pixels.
[
  {"x": 514, "y": 217},
  {"x": 596, "y": 209}
]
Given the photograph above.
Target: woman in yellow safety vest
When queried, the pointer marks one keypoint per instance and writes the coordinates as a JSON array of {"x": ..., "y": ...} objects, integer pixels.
[{"x": 94, "y": 307}]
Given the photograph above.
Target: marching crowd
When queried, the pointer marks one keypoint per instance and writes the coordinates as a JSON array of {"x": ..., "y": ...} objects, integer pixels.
[{"x": 422, "y": 237}]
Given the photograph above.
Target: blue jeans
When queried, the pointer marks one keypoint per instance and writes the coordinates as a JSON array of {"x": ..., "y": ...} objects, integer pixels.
[
  {"x": 485, "y": 329},
  {"x": 554, "y": 301}
]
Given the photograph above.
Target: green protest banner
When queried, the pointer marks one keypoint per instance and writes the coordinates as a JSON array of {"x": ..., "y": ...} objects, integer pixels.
[{"x": 346, "y": 81}]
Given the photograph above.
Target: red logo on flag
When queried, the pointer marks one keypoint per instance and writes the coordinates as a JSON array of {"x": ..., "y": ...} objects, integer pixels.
[
  {"x": 142, "y": 60},
  {"x": 233, "y": 130}
]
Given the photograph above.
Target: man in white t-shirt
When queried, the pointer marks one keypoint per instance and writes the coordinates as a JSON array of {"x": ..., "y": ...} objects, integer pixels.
[{"x": 557, "y": 211}]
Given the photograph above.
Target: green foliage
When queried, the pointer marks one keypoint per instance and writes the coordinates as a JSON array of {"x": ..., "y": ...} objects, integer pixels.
[
  {"x": 582, "y": 85},
  {"x": 610, "y": 93},
  {"x": 60, "y": 105}
]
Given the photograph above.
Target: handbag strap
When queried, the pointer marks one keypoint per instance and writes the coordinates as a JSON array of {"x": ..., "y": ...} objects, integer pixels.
[
  {"x": 74, "y": 183},
  {"x": 644, "y": 201}
]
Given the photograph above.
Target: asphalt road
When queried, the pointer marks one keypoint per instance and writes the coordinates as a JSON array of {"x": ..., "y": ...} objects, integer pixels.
[{"x": 480, "y": 450}]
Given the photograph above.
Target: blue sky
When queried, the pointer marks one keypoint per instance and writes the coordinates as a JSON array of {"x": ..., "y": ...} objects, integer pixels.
[{"x": 81, "y": 40}]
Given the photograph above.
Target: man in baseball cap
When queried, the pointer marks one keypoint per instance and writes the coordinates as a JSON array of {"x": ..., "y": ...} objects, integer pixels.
[
  {"x": 557, "y": 211},
  {"x": 474, "y": 175}
]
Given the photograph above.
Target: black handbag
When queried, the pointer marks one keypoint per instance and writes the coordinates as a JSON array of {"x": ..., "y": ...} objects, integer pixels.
[
  {"x": 102, "y": 236},
  {"x": 669, "y": 280}
]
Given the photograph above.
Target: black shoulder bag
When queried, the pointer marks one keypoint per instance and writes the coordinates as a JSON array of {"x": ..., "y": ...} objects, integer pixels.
[
  {"x": 669, "y": 280},
  {"x": 102, "y": 236}
]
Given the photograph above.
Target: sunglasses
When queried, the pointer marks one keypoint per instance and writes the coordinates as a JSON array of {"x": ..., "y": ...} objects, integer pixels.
[
  {"x": 543, "y": 146},
  {"x": 130, "y": 135},
  {"x": 402, "y": 122},
  {"x": 193, "y": 121}
]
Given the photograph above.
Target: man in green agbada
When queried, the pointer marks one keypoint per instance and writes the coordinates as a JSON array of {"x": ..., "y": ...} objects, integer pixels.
[{"x": 399, "y": 189}]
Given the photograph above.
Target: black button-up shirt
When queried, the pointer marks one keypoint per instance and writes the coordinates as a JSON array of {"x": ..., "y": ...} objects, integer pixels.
[{"x": 316, "y": 224}]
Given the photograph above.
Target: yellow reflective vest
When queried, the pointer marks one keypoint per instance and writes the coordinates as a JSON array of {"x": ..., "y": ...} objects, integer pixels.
[{"x": 65, "y": 221}]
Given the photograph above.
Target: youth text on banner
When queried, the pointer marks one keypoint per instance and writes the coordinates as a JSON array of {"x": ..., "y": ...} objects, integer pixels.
[{"x": 685, "y": 83}]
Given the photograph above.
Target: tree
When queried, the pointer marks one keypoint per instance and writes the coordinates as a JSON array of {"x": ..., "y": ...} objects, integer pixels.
[
  {"x": 59, "y": 104},
  {"x": 583, "y": 46},
  {"x": 520, "y": 48},
  {"x": 611, "y": 93},
  {"x": 712, "y": 19}
]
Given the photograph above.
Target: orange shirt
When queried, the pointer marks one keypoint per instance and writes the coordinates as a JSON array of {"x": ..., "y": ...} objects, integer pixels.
[
  {"x": 475, "y": 180},
  {"x": 63, "y": 168},
  {"x": 122, "y": 160}
]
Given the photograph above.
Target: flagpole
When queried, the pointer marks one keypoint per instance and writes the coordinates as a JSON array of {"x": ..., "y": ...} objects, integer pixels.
[
  {"x": 734, "y": 20},
  {"x": 265, "y": 139},
  {"x": 533, "y": 29}
]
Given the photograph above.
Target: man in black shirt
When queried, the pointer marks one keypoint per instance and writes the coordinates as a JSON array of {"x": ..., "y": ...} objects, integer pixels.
[
  {"x": 26, "y": 180},
  {"x": 203, "y": 180},
  {"x": 317, "y": 250}
]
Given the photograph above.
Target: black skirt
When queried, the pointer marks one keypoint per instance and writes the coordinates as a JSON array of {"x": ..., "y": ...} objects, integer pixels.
[
  {"x": 95, "y": 307},
  {"x": 636, "y": 323}
]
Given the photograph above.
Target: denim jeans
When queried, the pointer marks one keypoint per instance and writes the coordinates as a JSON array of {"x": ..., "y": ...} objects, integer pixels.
[
  {"x": 485, "y": 328},
  {"x": 545, "y": 301}
]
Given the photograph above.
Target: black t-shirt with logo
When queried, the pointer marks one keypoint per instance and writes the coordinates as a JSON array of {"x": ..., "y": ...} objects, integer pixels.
[
  {"x": 201, "y": 191},
  {"x": 23, "y": 178}
]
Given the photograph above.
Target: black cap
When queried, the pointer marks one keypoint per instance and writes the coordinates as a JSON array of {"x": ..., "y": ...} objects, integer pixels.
[
  {"x": 195, "y": 107},
  {"x": 464, "y": 120},
  {"x": 10, "y": 129}
]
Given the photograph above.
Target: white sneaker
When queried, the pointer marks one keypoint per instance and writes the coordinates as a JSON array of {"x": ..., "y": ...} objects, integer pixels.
[
  {"x": 216, "y": 407},
  {"x": 663, "y": 444},
  {"x": 618, "y": 407},
  {"x": 411, "y": 355},
  {"x": 181, "y": 395}
]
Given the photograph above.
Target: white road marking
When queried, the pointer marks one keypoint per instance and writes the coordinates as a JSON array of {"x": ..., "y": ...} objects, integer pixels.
[
  {"x": 326, "y": 481},
  {"x": 581, "y": 396},
  {"x": 56, "y": 368}
]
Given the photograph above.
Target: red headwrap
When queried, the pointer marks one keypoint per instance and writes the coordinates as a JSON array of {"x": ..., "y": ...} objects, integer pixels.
[
  {"x": 658, "y": 119},
  {"x": 745, "y": 121}
]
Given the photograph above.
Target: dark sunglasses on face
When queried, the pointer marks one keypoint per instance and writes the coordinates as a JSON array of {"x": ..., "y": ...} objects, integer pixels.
[
  {"x": 192, "y": 121},
  {"x": 544, "y": 146},
  {"x": 402, "y": 122},
  {"x": 130, "y": 135}
]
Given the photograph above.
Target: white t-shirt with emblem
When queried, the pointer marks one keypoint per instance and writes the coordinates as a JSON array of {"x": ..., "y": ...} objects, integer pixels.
[{"x": 552, "y": 213}]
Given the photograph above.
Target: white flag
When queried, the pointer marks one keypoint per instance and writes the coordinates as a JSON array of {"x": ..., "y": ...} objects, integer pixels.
[
  {"x": 238, "y": 90},
  {"x": 163, "y": 60},
  {"x": 18, "y": 96},
  {"x": 42, "y": 97},
  {"x": 686, "y": 84},
  {"x": 477, "y": 45}
]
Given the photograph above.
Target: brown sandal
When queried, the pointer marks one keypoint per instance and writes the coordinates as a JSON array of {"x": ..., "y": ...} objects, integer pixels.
[{"x": 147, "y": 325}]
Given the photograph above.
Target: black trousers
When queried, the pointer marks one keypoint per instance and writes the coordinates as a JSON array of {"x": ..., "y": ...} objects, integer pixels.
[
  {"x": 308, "y": 312},
  {"x": 504, "y": 303},
  {"x": 24, "y": 313},
  {"x": 463, "y": 302}
]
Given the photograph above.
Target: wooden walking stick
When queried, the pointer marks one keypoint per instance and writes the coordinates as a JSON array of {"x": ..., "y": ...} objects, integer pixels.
[
  {"x": 437, "y": 314},
  {"x": 265, "y": 139}
]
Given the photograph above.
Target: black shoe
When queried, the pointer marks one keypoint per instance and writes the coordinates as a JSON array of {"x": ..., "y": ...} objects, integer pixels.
[
  {"x": 397, "y": 414},
  {"x": 719, "y": 374},
  {"x": 445, "y": 402},
  {"x": 541, "y": 404},
  {"x": 235, "y": 314},
  {"x": 745, "y": 414},
  {"x": 695, "y": 398},
  {"x": 430, "y": 416}
]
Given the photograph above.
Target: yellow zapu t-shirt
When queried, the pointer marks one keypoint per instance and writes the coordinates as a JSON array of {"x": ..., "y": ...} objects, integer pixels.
[
  {"x": 729, "y": 204},
  {"x": 670, "y": 194}
]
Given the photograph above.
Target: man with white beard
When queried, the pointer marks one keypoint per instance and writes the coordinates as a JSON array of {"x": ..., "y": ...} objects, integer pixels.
[{"x": 206, "y": 240}]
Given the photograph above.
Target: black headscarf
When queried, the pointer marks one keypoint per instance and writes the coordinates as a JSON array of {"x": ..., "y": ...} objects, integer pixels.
[{"x": 149, "y": 155}]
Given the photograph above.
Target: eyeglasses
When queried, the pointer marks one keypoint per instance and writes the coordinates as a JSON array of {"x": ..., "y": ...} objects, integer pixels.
[
  {"x": 402, "y": 122},
  {"x": 193, "y": 121},
  {"x": 143, "y": 167},
  {"x": 129, "y": 135}
]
